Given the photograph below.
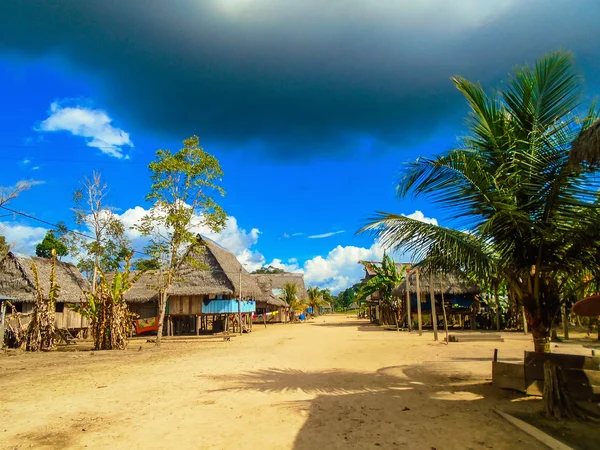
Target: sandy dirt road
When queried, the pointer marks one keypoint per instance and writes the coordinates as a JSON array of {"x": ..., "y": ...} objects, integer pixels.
[{"x": 336, "y": 382}]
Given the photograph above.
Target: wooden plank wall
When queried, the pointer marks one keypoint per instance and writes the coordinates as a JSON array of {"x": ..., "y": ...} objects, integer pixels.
[
  {"x": 508, "y": 376},
  {"x": 582, "y": 374},
  {"x": 185, "y": 305},
  {"x": 66, "y": 319},
  {"x": 144, "y": 310}
]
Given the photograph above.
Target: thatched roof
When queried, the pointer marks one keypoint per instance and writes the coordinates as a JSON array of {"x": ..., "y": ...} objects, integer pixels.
[
  {"x": 273, "y": 301},
  {"x": 270, "y": 281},
  {"x": 452, "y": 284},
  {"x": 587, "y": 146},
  {"x": 17, "y": 279},
  {"x": 218, "y": 273}
]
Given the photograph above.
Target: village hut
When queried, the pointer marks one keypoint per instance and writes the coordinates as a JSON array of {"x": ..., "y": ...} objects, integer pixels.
[
  {"x": 460, "y": 296},
  {"x": 270, "y": 308},
  {"x": 17, "y": 283},
  {"x": 204, "y": 297},
  {"x": 273, "y": 283},
  {"x": 326, "y": 308},
  {"x": 374, "y": 301}
]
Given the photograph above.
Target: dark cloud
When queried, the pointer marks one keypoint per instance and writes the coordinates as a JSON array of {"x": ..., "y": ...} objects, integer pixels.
[{"x": 295, "y": 77}]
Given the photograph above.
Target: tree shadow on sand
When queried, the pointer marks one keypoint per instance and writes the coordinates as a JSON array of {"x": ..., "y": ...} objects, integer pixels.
[
  {"x": 360, "y": 325},
  {"x": 412, "y": 406}
]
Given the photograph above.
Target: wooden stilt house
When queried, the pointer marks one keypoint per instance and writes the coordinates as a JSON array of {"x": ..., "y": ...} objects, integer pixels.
[
  {"x": 270, "y": 308},
  {"x": 460, "y": 296},
  {"x": 17, "y": 282},
  {"x": 272, "y": 284},
  {"x": 204, "y": 297}
]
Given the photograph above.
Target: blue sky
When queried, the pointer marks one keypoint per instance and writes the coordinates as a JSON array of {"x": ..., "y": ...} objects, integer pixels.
[{"x": 310, "y": 110}]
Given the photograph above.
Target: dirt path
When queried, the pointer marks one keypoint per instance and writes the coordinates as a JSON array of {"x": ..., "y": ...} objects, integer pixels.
[{"x": 334, "y": 383}]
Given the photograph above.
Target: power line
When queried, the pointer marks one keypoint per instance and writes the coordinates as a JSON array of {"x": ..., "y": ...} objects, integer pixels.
[
  {"x": 62, "y": 227},
  {"x": 88, "y": 236}
]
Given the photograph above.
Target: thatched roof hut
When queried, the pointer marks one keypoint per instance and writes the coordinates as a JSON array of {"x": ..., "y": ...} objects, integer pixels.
[
  {"x": 275, "y": 281},
  {"x": 17, "y": 280},
  {"x": 265, "y": 284},
  {"x": 452, "y": 284},
  {"x": 218, "y": 273},
  {"x": 587, "y": 145}
]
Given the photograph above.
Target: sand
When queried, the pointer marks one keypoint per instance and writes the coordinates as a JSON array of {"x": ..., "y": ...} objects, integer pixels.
[{"x": 335, "y": 382}]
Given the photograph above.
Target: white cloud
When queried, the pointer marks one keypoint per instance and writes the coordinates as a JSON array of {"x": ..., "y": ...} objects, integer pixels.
[
  {"x": 22, "y": 238},
  {"x": 92, "y": 124},
  {"x": 35, "y": 168},
  {"x": 26, "y": 161},
  {"x": 235, "y": 239},
  {"x": 290, "y": 266},
  {"x": 340, "y": 268},
  {"x": 325, "y": 235},
  {"x": 337, "y": 270},
  {"x": 418, "y": 215}
]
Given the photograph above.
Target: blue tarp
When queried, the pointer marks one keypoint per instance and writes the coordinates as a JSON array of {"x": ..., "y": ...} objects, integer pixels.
[{"x": 227, "y": 306}]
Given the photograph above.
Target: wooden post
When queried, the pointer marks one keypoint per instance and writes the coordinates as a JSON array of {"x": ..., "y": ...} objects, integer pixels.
[
  {"x": 433, "y": 313},
  {"x": 240, "y": 303},
  {"x": 444, "y": 308},
  {"x": 565, "y": 322},
  {"x": 419, "y": 304},
  {"x": 2, "y": 324},
  {"x": 408, "y": 311},
  {"x": 524, "y": 320}
]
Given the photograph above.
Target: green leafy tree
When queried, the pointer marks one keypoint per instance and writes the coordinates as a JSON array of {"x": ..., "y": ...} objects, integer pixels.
[
  {"x": 4, "y": 247},
  {"x": 109, "y": 246},
  {"x": 49, "y": 243},
  {"x": 269, "y": 270},
  {"x": 528, "y": 205},
  {"x": 147, "y": 264},
  {"x": 346, "y": 297},
  {"x": 182, "y": 189}
]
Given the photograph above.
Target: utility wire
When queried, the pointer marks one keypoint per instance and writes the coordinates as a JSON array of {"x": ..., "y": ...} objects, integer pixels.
[
  {"x": 12, "y": 211},
  {"x": 87, "y": 236}
]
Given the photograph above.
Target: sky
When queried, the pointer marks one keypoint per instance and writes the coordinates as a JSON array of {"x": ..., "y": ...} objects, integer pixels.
[{"x": 312, "y": 108}]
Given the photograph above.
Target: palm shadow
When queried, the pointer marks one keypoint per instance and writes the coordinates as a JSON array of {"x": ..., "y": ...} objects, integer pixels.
[{"x": 409, "y": 406}]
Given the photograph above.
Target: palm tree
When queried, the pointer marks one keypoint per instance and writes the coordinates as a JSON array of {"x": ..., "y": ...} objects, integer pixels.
[
  {"x": 315, "y": 299},
  {"x": 526, "y": 203},
  {"x": 297, "y": 306},
  {"x": 386, "y": 278},
  {"x": 290, "y": 296},
  {"x": 290, "y": 292}
]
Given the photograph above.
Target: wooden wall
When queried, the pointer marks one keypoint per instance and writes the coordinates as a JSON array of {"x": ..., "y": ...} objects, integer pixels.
[
  {"x": 144, "y": 310},
  {"x": 66, "y": 319},
  {"x": 185, "y": 305}
]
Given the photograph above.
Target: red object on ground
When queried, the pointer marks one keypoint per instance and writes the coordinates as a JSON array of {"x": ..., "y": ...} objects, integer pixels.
[
  {"x": 588, "y": 307},
  {"x": 144, "y": 325}
]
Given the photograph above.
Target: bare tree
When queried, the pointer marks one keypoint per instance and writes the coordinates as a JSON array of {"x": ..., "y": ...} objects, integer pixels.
[
  {"x": 109, "y": 246},
  {"x": 8, "y": 193}
]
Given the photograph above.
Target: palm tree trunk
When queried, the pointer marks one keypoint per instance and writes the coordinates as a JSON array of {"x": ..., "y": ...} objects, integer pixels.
[{"x": 497, "y": 298}]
